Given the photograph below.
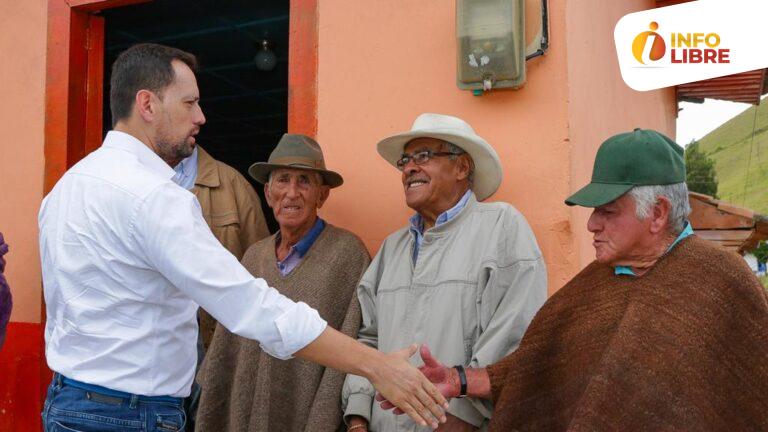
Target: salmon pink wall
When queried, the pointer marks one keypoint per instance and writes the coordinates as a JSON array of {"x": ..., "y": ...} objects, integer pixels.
[
  {"x": 22, "y": 112},
  {"x": 380, "y": 64},
  {"x": 22, "y": 123},
  {"x": 600, "y": 104}
]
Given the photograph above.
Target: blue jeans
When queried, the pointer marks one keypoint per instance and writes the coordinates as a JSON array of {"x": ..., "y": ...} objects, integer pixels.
[{"x": 72, "y": 406}]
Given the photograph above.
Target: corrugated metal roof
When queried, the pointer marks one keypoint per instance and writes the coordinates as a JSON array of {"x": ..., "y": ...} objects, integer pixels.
[
  {"x": 731, "y": 227},
  {"x": 745, "y": 87}
]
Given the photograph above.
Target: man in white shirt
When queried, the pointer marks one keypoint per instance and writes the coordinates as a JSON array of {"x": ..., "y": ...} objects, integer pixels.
[{"x": 127, "y": 258}]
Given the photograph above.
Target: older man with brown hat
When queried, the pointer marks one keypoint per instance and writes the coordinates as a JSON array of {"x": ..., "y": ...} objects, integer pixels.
[
  {"x": 663, "y": 331},
  {"x": 308, "y": 260},
  {"x": 464, "y": 276}
]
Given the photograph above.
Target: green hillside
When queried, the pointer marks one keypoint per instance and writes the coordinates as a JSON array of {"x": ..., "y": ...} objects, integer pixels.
[{"x": 730, "y": 146}]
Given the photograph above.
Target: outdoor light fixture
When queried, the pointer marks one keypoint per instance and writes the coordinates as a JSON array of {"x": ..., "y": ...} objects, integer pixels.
[
  {"x": 491, "y": 44},
  {"x": 265, "y": 58}
]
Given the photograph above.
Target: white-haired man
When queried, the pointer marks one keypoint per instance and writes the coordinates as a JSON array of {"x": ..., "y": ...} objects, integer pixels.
[{"x": 465, "y": 277}]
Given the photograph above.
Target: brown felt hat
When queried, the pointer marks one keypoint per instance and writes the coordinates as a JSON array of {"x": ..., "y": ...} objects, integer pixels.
[{"x": 297, "y": 152}]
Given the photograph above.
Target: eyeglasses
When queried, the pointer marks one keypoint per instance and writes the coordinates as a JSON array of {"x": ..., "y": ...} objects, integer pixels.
[{"x": 420, "y": 157}]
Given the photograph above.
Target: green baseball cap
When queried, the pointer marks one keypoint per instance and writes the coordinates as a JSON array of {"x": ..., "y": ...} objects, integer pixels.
[{"x": 642, "y": 157}]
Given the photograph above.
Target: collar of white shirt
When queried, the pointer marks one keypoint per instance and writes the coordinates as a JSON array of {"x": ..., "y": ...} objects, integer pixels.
[{"x": 147, "y": 157}]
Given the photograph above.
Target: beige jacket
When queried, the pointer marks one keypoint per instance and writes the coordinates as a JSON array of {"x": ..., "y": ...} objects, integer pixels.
[
  {"x": 477, "y": 283},
  {"x": 232, "y": 210}
]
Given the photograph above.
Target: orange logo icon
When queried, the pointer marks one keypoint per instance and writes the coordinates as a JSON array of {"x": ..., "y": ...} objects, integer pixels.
[{"x": 658, "y": 46}]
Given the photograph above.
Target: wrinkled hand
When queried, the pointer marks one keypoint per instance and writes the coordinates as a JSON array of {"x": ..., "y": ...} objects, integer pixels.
[
  {"x": 403, "y": 386},
  {"x": 437, "y": 373}
]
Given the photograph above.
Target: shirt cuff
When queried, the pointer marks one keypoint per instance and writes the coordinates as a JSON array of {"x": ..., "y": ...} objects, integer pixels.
[
  {"x": 358, "y": 404},
  {"x": 298, "y": 326},
  {"x": 463, "y": 409}
]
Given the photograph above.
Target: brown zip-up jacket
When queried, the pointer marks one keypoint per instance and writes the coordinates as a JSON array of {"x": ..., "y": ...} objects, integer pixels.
[{"x": 233, "y": 211}]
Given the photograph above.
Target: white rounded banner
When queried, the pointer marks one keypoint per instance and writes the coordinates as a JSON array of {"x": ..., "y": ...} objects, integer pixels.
[{"x": 690, "y": 42}]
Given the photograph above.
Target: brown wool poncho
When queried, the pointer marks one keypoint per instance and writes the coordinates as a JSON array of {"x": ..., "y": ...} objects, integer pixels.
[
  {"x": 245, "y": 389},
  {"x": 683, "y": 347}
]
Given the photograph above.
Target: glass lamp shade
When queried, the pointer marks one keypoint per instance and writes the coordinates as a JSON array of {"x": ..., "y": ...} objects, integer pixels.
[{"x": 265, "y": 58}]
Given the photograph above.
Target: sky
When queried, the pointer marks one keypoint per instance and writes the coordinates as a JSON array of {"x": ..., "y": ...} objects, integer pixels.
[{"x": 694, "y": 121}]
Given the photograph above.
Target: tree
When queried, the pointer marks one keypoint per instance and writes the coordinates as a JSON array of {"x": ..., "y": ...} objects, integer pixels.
[
  {"x": 700, "y": 171},
  {"x": 761, "y": 252}
]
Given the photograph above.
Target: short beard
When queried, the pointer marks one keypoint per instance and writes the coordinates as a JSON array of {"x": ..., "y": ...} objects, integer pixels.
[{"x": 172, "y": 152}]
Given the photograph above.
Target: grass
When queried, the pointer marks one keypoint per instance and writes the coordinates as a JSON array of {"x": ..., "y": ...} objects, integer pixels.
[
  {"x": 733, "y": 149},
  {"x": 764, "y": 280}
]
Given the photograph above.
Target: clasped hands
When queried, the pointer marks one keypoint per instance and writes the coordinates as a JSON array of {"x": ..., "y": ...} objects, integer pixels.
[
  {"x": 445, "y": 379},
  {"x": 415, "y": 396}
]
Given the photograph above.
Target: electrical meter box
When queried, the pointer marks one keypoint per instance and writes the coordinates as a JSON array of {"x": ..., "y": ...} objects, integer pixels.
[{"x": 491, "y": 44}]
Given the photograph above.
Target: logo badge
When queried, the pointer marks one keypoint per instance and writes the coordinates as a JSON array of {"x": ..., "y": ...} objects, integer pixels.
[
  {"x": 692, "y": 41},
  {"x": 649, "y": 45}
]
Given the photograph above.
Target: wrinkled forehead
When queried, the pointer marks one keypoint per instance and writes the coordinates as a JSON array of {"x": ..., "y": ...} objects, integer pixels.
[
  {"x": 297, "y": 173},
  {"x": 622, "y": 203},
  {"x": 424, "y": 143}
]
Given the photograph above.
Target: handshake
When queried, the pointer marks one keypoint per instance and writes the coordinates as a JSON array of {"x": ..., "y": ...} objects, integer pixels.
[
  {"x": 402, "y": 388},
  {"x": 447, "y": 381}
]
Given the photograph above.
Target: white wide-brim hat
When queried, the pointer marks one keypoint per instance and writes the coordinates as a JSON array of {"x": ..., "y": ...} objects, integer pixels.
[{"x": 488, "y": 171}]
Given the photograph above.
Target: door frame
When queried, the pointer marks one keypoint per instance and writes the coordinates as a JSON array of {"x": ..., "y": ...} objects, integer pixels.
[{"x": 74, "y": 75}]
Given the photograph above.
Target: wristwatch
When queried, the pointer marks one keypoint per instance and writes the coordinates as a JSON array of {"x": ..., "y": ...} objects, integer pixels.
[{"x": 462, "y": 381}]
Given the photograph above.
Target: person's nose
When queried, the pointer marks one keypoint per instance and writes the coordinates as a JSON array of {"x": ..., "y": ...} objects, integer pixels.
[
  {"x": 593, "y": 224},
  {"x": 410, "y": 168},
  {"x": 200, "y": 117},
  {"x": 293, "y": 189}
]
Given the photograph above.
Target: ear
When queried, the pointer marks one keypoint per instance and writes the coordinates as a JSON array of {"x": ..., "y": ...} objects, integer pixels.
[
  {"x": 660, "y": 215},
  {"x": 324, "y": 191},
  {"x": 146, "y": 105},
  {"x": 268, "y": 195},
  {"x": 463, "y": 166}
]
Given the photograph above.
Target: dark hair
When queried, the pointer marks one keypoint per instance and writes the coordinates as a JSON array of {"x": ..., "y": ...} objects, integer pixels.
[{"x": 145, "y": 66}]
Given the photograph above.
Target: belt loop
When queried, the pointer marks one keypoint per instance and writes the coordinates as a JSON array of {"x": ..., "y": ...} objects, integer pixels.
[
  {"x": 59, "y": 381},
  {"x": 134, "y": 401}
]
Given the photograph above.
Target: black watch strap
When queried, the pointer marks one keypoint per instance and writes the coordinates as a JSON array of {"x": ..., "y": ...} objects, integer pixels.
[{"x": 462, "y": 381}]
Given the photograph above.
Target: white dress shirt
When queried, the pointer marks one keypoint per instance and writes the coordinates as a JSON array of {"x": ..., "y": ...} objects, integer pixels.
[{"x": 127, "y": 258}]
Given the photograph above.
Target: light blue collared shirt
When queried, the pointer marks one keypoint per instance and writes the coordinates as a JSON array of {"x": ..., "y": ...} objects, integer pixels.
[
  {"x": 186, "y": 171},
  {"x": 417, "y": 222},
  {"x": 688, "y": 230},
  {"x": 301, "y": 248}
]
